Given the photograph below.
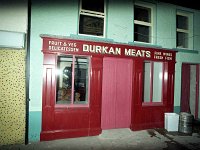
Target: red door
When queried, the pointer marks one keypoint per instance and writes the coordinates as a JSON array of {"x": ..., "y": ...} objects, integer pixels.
[{"x": 116, "y": 93}]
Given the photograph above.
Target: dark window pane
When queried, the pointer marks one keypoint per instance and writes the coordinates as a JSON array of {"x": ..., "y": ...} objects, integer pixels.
[
  {"x": 182, "y": 40},
  {"x": 93, "y": 5},
  {"x": 64, "y": 80},
  {"x": 142, "y": 14},
  {"x": 91, "y": 25},
  {"x": 141, "y": 33},
  {"x": 81, "y": 79},
  {"x": 182, "y": 22}
]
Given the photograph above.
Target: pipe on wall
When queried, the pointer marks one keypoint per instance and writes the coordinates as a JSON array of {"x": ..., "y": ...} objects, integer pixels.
[{"x": 28, "y": 72}]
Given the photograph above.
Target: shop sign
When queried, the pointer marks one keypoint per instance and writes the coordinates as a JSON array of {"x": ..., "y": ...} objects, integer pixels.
[{"x": 84, "y": 47}]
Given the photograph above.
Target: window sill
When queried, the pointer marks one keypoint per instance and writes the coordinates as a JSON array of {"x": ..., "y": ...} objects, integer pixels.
[
  {"x": 152, "y": 104},
  {"x": 142, "y": 44},
  {"x": 71, "y": 106},
  {"x": 91, "y": 37},
  {"x": 184, "y": 50}
]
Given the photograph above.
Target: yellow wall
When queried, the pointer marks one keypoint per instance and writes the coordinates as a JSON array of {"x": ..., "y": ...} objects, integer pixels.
[{"x": 12, "y": 96}]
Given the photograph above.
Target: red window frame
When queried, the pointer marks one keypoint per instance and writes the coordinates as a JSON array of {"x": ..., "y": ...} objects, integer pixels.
[
  {"x": 150, "y": 102},
  {"x": 72, "y": 93}
]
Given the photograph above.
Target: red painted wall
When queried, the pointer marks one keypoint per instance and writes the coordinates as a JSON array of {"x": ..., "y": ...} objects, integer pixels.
[{"x": 62, "y": 122}]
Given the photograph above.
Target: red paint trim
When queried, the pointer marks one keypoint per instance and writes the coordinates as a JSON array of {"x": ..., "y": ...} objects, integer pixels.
[
  {"x": 166, "y": 77},
  {"x": 172, "y": 88},
  {"x": 72, "y": 91},
  {"x": 61, "y": 134},
  {"x": 197, "y": 92},
  {"x": 163, "y": 69},
  {"x": 64, "y": 122},
  {"x": 151, "y": 81},
  {"x": 151, "y": 103},
  {"x": 151, "y": 116},
  {"x": 72, "y": 98},
  {"x": 71, "y": 106}
]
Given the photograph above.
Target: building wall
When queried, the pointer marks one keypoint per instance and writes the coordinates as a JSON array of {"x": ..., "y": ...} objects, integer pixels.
[
  {"x": 13, "y": 16},
  {"x": 48, "y": 17},
  {"x": 61, "y": 18},
  {"x": 12, "y": 96},
  {"x": 119, "y": 25}
]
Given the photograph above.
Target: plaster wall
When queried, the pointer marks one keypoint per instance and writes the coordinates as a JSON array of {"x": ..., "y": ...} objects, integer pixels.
[
  {"x": 48, "y": 17},
  {"x": 13, "y": 26},
  {"x": 12, "y": 96}
]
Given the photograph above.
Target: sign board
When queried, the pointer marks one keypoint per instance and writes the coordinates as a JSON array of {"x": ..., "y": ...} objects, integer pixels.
[{"x": 84, "y": 47}]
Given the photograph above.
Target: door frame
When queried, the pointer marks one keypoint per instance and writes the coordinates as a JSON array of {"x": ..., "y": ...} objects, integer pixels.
[{"x": 197, "y": 87}]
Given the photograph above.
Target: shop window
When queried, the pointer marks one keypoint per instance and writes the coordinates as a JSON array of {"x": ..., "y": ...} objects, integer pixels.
[
  {"x": 183, "y": 30},
  {"x": 153, "y": 81},
  {"x": 72, "y": 80},
  {"x": 142, "y": 24},
  {"x": 92, "y": 17}
]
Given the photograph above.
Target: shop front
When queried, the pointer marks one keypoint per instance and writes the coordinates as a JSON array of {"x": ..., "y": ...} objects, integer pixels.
[{"x": 90, "y": 86}]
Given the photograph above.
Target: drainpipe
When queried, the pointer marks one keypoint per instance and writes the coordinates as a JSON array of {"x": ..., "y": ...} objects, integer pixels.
[{"x": 28, "y": 72}]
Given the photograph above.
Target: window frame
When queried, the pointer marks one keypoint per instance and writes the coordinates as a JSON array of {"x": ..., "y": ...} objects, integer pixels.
[
  {"x": 185, "y": 31},
  {"x": 150, "y": 102},
  {"x": 189, "y": 31},
  {"x": 143, "y": 23},
  {"x": 92, "y": 14},
  {"x": 72, "y": 104}
]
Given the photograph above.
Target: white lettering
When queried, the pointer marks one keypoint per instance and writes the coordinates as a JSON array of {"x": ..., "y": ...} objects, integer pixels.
[
  {"x": 143, "y": 53},
  {"x": 138, "y": 53},
  {"x": 92, "y": 48},
  {"x": 104, "y": 50},
  {"x": 101, "y": 49},
  {"x": 127, "y": 52},
  {"x": 85, "y": 48},
  {"x": 148, "y": 54},
  {"x": 98, "y": 49},
  {"x": 111, "y": 51},
  {"x": 133, "y": 52},
  {"x": 55, "y": 43},
  {"x": 118, "y": 51}
]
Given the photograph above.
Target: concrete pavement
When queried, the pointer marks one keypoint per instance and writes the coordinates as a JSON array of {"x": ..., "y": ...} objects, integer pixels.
[{"x": 120, "y": 139}]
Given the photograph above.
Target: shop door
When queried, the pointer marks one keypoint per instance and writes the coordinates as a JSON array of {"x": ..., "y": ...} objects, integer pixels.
[{"x": 117, "y": 91}]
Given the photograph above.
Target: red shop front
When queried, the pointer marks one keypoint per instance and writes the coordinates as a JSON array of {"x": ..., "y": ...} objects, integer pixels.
[{"x": 92, "y": 86}]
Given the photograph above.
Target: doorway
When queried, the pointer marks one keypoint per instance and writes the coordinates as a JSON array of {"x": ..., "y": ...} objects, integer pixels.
[
  {"x": 116, "y": 93},
  {"x": 190, "y": 89}
]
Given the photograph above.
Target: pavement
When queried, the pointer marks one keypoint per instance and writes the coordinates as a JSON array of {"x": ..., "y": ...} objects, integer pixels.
[{"x": 120, "y": 139}]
